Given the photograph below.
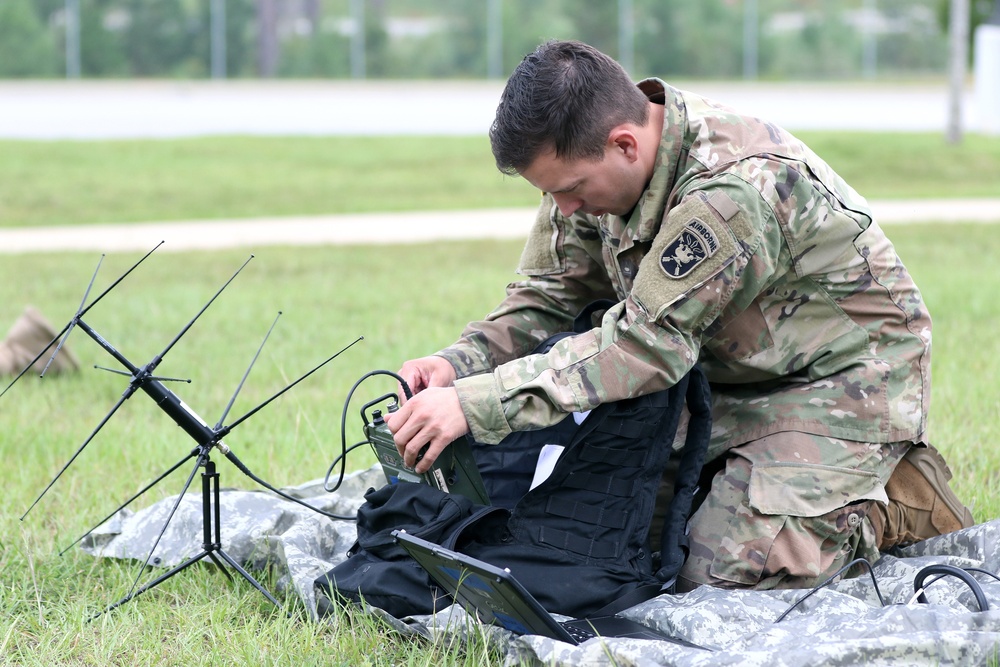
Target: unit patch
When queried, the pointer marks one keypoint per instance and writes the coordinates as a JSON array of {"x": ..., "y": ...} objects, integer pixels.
[{"x": 695, "y": 243}]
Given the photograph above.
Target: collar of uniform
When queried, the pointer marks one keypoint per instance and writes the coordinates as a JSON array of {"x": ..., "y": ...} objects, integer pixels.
[{"x": 644, "y": 221}]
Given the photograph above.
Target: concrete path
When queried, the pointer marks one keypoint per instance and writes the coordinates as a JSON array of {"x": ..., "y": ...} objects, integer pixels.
[{"x": 374, "y": 228}]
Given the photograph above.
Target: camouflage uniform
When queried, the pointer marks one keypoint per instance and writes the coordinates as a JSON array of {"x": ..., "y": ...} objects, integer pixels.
[{"x": 748, "y": 254}]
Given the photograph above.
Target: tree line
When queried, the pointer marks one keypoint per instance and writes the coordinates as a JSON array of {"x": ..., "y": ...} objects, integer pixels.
[{"x": 441, "y": 39}]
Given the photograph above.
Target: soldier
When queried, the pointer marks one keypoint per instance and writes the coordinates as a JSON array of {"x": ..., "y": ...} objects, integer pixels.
[{"x": 726, "y": 242}]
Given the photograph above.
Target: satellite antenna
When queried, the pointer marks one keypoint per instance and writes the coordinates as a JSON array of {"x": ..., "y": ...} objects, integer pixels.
[{"x": 206, "y": 438}]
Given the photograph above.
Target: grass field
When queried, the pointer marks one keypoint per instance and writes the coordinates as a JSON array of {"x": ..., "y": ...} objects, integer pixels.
[
  {"x": 406, "y": 301},
  {"x": 69, "y": 183}
]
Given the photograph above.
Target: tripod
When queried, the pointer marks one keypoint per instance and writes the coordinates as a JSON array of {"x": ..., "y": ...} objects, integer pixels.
[
  {"x": 212, "y": 538},
  {"x": 207, "y": 438}
]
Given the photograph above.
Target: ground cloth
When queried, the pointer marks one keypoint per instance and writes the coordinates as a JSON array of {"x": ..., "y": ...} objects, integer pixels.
[{"x": 843, "y": 624}]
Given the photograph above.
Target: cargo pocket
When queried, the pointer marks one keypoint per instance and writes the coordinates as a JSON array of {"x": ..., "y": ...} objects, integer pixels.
[{"x": 797, "y": 523}]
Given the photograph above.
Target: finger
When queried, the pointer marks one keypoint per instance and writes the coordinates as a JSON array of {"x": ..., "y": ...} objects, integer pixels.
[
  {"x": 414, "y": 451},
  {"x": 396, "y": 422},
  {"x": 414, "y": 380},
  {"x": 442, "y": 375},
  {"x": 430, "y": 455},
  {"x": 412, "y": 440}
]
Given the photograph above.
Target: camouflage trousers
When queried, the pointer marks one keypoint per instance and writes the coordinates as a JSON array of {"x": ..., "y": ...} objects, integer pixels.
[{"x": 788, "y": 511}]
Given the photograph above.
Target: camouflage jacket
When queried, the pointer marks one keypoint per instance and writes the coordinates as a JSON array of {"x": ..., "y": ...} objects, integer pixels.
[{"x": 746, "y": 253}]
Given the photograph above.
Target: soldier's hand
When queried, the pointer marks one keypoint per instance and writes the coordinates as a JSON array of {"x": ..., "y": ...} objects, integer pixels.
[
  {"x": 434, "y": 418},
  {"x": 426, "y": 372}
]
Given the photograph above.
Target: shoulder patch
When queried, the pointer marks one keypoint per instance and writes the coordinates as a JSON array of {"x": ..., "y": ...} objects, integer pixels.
[
  {"x": 692, "y": 245},
  {"x": 695, "y": 243}
]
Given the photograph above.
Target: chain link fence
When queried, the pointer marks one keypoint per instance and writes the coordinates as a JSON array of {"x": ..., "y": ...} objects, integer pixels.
[{"x": 452, "y": 39}]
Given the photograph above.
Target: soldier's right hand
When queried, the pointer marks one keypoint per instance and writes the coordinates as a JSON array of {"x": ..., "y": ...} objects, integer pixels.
[{"x": 426, "y": 372}]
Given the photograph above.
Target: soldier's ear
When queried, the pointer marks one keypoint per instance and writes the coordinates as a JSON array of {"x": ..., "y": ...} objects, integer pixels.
[{"x": 623, "y": 141}]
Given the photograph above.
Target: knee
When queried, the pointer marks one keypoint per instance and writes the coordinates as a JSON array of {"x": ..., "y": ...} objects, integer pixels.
[{"x": 735, "y": 545}]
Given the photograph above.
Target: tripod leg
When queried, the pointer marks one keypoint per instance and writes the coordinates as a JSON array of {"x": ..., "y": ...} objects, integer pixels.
[
  {"x": 211, "y": 534},
  {"x": 246, "y": 575},
  {"x": 160, "y": 579},
  {"x": 211, "y": 516},
  {"x": 212, "y": 513},
  {"x": 202, "y": 459},
  {"x": 219, "y": 564}
]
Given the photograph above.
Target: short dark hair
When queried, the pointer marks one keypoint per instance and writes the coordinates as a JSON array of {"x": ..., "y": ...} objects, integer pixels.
[{"x": 566, "y": 95}]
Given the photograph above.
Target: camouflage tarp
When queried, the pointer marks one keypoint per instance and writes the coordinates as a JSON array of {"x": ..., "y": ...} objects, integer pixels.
[{"x": 842, "y": 624}]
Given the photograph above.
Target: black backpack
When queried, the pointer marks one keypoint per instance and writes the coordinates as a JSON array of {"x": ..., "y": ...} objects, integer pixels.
[{"x": 587, "y": 522}]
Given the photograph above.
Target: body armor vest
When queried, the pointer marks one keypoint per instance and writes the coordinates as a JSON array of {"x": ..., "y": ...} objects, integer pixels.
[{"x": 579, "y": 539}]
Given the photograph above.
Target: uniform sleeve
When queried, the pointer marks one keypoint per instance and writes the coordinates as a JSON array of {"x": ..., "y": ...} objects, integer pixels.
[
  {"x": 706, "y": 256},
  {"x": 563, "y": 272}
]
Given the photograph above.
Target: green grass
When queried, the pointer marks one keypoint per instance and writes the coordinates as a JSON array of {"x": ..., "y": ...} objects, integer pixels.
[
  {"x": 78, "y": 182},
  {"x": 66, "y": 183},
  {"x": 329, "y": 296}
]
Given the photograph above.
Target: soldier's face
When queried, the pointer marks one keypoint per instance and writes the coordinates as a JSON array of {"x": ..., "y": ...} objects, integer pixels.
[{"x": 595, "y": 187}]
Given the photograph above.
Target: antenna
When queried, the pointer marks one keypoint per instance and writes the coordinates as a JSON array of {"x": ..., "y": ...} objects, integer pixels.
[{"x": 142, "y": 378}]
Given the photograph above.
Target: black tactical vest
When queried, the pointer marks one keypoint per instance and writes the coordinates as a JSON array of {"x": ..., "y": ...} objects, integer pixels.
[{"x": 579, "y": 540}]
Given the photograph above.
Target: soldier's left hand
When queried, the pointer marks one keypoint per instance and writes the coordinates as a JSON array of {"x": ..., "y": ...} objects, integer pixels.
[{"x": 434, "y": 418}]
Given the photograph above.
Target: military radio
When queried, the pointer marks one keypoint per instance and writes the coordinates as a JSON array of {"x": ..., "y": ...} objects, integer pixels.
[{"x": 454, "y": 471}]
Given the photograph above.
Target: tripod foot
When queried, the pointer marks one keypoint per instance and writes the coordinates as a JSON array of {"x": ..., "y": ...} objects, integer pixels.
[{"x": 246, "y": 575}]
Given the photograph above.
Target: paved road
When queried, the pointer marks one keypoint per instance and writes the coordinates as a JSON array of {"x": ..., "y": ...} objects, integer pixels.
[
  {"x": 392, "y": 228},
  {"x": 125, "y": 109}
]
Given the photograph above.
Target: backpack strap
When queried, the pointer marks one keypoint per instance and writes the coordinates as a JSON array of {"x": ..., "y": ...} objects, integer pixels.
[
  {"x": 630, "y": 599},
  {"x": 674, "y": 544}
]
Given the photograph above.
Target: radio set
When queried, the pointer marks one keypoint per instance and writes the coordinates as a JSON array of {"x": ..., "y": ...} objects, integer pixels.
[{"x": 454, "y": 471}]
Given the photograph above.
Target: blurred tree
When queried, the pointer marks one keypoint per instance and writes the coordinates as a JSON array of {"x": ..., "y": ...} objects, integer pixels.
[
  {"x": 676, "y": 38},
  {"x": 658, "y": 46},
  {"x": 377, "y": 56},
  {"x": 835, "y": 45},
  {"x": 239, "y": 36},
  {"x": 909, "y": 43},
  {"x": 159, "y": 37},
  {"x": 447, "y": 38},
  {"x": 325, "y": 55},
  {"x": 594, "y": 22},
  {"x": 527, "y": 24},
  {"x": 103, "y": 26},
  {"x": 26, "y": 46},
  {"x": 826, "y": 46},
  {"x": 461, "y": 49},
  {"x": 979, "y": 12}
]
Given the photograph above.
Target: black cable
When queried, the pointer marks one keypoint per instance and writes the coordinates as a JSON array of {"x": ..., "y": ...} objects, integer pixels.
[
  {"x": 246, "y": 471},
  {"x": 342, "y": 457},
  {"x": 343, "y": 427},
  {"x": 942, "y": 571},
  {"x": 339, "y": 457},
  {"x": 856, "y": 561},
  {"x": 979, "y": 570}
]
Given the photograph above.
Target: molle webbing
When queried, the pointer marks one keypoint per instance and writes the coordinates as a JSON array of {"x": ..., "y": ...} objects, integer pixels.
[
  {"x": 598, "y": 501},
  {"x": 601, "y": 484},
  {"x": 587, "y": 513},
  {"x": 560, "y": 539}
]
